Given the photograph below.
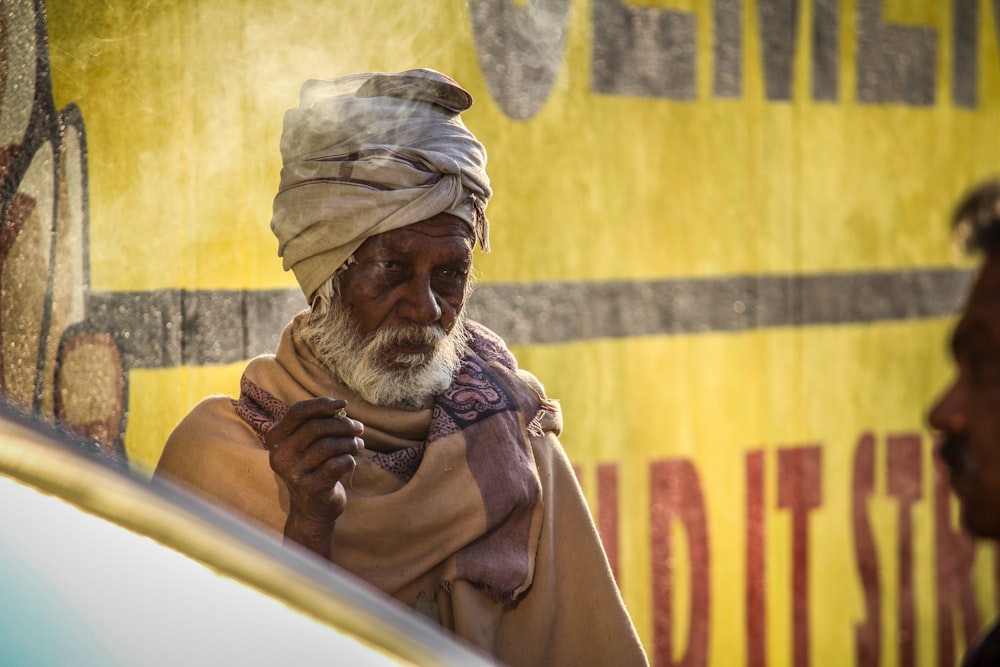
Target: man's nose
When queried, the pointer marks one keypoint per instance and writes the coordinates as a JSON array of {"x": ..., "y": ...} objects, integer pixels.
[
  {"x": 420, "y": 304},
  {"x": 950, "y": 413}
]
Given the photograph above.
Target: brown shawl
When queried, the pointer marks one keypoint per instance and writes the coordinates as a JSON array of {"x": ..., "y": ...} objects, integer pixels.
[{"x": 467, "y": 510}]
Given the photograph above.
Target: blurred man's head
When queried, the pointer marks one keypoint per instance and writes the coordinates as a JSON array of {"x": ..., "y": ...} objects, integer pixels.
[{"x": 968, "y": 414}]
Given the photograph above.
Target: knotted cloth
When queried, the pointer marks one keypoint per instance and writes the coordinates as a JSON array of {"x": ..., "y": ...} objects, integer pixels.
[{"x": 368, "y": 153}]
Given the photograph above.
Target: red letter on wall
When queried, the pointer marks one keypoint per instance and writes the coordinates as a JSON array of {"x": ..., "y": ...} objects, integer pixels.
[
  {"x": 676, "y": 494},
  {"x": 868, "y": 634},
  {"x": 607, "y": 512},
  {"x": 756, "y": 608},
  {"x": 799, "y": 490}
]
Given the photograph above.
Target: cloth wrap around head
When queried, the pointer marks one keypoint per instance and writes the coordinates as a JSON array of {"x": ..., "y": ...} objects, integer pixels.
[{"x": 368, "y": 153}]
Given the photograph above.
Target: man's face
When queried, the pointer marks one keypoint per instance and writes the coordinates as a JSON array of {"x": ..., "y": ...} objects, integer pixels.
[
  {"x": 968, "y": 414},
  {"x": 395, "y": 334},
  {"x": 417, "y": 274}
]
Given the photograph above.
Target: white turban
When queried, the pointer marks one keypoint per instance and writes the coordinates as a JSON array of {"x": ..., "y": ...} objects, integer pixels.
[{"x": 368, "y": 153}]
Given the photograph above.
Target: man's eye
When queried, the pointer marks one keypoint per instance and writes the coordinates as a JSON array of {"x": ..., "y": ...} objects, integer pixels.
[
  {"x": 454, "y": 273},
  {"x": 387, "y": 265}
]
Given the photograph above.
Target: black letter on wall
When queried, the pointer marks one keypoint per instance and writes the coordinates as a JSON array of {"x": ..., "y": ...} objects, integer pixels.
[
  {"x": 643, "y": 51},
  {"x": 895, "y": 63},
  {"x": 520, "y": 50},
  {"x": 825, "y": 50},
  {"x": 779, "y": 26},
  {"x": 728, "y": 32},
  {"x": 965, "y": 46},
  {"x": 779, "y": 22}
]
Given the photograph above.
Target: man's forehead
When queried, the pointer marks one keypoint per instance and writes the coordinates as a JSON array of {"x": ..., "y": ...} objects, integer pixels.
[
  {"x": 986, "y": 289},
  {"x": 982, "y": 310},
  {"x": 443, "y": 227},
  {"x": 443, "y": 224}
]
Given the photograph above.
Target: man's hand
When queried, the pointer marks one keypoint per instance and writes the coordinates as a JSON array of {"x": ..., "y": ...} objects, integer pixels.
[{"x": 311, "y": 449}]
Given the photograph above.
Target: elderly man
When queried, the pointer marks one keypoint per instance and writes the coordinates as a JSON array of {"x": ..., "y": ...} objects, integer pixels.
[
  {"x": 389, "y": 434},
  {"x": 968, "y": 414}
]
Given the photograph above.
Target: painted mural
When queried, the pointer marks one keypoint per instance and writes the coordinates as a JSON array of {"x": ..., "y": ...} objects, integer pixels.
[{"x": 51, "y": 361}]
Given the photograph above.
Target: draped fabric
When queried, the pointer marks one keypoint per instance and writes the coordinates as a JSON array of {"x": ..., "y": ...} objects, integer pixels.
[
  {"x": 490, "y": 418},
  {"x": 467, "y": 511}
]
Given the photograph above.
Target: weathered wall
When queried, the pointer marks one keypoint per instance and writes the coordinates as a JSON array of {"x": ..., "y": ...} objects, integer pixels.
[{"x": 719, "y": 238}]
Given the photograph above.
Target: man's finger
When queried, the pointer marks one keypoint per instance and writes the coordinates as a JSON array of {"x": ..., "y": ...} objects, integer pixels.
[
  {"x": 324, "y": 449},
  {"x": 304, "y": 411}
]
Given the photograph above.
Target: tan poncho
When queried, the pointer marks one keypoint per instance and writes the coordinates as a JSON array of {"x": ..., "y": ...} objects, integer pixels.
[{"x": 468, "y": 510}]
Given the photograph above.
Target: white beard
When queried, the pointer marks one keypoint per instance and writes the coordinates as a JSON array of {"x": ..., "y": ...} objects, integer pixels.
[{"x": 378, "y": 376}]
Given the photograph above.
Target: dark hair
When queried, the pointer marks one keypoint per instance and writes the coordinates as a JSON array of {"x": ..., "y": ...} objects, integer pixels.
[{"x": 976, "y": 219}]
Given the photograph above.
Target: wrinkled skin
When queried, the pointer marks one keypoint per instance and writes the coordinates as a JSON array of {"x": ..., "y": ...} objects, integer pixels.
[
  {"x": 414, "y": 274},
  {"x": 968, "y": 413},
  {"x": 311, "y": 449}
]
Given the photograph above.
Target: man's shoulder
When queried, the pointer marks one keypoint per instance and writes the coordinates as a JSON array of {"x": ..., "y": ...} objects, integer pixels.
[
  {"x": 548, "y": 417},
  {"x": 489, "y": 346},
  {"x": 208, "y": 412},
  {"x": 529, "y": 378},
  {"x": 492, "y": 348}
]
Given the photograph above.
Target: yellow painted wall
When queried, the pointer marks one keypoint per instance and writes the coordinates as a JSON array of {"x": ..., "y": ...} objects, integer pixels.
[{"x": 183, "y": 103}]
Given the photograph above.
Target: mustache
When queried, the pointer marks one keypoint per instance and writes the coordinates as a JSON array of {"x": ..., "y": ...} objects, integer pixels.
[
  {"x": 954, "y": 451},
  {"x": 411, "y": 334}
]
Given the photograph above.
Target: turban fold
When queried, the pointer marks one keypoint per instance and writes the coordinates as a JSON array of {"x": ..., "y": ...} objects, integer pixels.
[{"x": 369, "y": 153}]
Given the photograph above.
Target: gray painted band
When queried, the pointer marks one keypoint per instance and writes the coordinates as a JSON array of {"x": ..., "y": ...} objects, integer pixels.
[{"x": 169, "y": 328}]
